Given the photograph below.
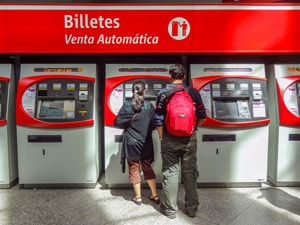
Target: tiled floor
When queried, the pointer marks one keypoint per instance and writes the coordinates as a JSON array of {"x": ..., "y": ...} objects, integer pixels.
[{"x": 265, "y": 205}]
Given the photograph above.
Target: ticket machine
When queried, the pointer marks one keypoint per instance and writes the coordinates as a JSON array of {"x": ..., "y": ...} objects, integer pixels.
[
  {"x": 57, "y": 125},
  {"x": 8, "y": 146},
  {"x": 284, "y": 140},
  {"x": 233, "y": 142},
  {"x": 119, "y": 80}
]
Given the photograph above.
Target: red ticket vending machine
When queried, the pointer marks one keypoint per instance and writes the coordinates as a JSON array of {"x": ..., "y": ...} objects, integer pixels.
[
  {"x": 57, "y": 125},
  {"x": 8, "y": 142},
  {"x": 233, "y": 142},
  {"x": 284, "y": 140},
  {"x": 119, "y": 80}
]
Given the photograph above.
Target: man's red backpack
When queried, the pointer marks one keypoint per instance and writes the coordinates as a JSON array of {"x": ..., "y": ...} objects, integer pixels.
[{"x": 180, "y": 113}]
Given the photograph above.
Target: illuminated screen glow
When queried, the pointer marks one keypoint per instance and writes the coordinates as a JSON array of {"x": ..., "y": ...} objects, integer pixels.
[
  {"x": 226, "y": 110},
  {"x": 56, "y": 109}
]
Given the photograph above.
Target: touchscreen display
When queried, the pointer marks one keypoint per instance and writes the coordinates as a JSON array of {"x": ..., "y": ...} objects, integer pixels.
[
  {"x": 226, "y": 110},
  {"x": 56, "y": 109}
]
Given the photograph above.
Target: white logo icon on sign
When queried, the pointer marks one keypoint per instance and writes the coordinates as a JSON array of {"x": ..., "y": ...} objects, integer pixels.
[{"x": 179, "y": 28}]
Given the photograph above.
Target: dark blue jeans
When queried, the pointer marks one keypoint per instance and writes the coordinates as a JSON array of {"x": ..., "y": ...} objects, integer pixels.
[{"x": 176, "y": 152}]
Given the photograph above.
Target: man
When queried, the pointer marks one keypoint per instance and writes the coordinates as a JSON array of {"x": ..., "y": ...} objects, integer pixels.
[{"x": 175, "y": 149}]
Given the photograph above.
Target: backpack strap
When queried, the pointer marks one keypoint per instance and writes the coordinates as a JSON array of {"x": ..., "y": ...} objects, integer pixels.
[{"x": 187, "y": 89}]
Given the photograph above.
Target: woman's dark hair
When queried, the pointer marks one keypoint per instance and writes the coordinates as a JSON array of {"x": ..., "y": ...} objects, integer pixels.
[
  {"x": 137, "y": 102},
  {"x": 177, "y": 71}
]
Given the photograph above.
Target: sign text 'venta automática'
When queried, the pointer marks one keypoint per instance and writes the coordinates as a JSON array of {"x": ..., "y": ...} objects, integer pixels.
[{"x": 84, "y": 21}]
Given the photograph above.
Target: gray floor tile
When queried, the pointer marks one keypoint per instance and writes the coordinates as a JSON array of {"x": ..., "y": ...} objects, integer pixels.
[{"x": 265, "y": 205}]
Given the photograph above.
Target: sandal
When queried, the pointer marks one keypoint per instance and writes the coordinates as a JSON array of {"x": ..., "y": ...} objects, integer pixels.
[
  {"x": 155, "y": 199},
  {"x": 137, "y": 201}
]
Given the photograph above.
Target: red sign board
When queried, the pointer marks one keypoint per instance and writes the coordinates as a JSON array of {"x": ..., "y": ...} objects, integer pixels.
[{"x": 96, "y": 29}]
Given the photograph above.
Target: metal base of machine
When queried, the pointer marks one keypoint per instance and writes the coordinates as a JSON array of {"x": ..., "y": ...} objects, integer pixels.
[
  {"x": 57, "y": 186},
  {"x": 7, "y": 186},
  {"x": 229, "y": 185},
  {"x": 128, "y": 186},
  {"x": 284, "y": 184}
]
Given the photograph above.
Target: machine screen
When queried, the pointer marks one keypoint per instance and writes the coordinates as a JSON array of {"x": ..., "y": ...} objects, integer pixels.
[
  {"x": 56, "y": 109},
  {"x": 226, "y": 110}
]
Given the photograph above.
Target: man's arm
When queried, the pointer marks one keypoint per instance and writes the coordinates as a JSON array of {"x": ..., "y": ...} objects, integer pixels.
[
  {"x": 159, "y": 114},
  {"x": 199, "y": 106},
  {"x": 200, "y": 122},
  {"x": 160, "y": 132}
]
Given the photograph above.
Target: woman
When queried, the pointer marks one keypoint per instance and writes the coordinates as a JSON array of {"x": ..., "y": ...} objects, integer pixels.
[{"x": 135, "y": 117}]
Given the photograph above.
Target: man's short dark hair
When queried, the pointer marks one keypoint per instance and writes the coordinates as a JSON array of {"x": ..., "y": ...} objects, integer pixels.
[{"x": 177, "y": 71}]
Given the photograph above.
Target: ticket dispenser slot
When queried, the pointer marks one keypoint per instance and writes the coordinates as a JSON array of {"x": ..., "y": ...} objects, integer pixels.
[
  {"x": 218, "y": 137},
  {"x": 219, "y": 141},
  {"x": 44, "y": 138}
]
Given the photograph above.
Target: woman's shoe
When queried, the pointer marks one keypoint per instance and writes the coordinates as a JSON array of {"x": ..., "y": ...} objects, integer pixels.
[
  {"x": 137, "y": 201},
  {"x": 155, "y": 199}
]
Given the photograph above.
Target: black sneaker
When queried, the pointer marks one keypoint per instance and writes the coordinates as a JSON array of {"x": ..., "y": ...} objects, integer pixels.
[{"x": 191, "y": 214}]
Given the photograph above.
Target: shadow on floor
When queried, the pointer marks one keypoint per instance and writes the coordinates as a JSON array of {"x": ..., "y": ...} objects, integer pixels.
[{"x": 281, "y": 199}]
